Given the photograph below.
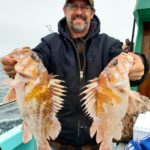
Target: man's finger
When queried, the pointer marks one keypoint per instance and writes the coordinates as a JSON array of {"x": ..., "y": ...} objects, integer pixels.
[
  {"x": 11, "y": 74},
  {"x": 136, "y": 69},
  {"x": 135, "y": 76},
  {"x": 8, "y": 68},
  {"x": 8, "y": 60}
]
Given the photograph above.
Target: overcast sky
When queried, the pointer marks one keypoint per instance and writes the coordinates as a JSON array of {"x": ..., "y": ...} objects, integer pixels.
[{"x": 23, "y": 22}]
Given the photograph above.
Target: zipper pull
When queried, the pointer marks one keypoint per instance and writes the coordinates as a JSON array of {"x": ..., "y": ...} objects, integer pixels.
[{"x": 81, "y": 74}]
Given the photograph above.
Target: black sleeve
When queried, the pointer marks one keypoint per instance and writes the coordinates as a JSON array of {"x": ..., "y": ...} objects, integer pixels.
[
  {"x": 115, "y": 50},
  {"x": 146, "y": 70},
  {"x": 44, "y": 52}
]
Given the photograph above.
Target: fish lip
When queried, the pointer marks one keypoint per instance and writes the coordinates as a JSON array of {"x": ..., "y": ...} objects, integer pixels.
[
  {"x": 120, "y": 84},
  {"x": 25, "y": 76}
]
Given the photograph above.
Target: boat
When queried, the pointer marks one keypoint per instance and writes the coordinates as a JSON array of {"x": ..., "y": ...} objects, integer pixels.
[{"x": 12, "y": 140}]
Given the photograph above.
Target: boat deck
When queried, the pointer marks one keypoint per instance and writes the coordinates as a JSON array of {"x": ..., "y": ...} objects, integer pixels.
[{"x": 12, "y": 140}]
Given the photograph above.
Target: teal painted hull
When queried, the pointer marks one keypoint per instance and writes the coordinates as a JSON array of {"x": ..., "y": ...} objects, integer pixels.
[{"x": 12, "y": 140}]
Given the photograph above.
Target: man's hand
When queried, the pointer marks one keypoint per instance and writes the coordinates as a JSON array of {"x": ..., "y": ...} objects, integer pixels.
[
  {"x": 8, "y": 63},
  {"x": 137, "y": 70}
]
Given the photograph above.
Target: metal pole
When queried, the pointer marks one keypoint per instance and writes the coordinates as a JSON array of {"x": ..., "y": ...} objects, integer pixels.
[{"x": 132, "y": 37}]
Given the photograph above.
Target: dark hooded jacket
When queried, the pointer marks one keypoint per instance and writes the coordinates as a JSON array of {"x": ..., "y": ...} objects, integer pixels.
[{"x": 59, "y": 55}]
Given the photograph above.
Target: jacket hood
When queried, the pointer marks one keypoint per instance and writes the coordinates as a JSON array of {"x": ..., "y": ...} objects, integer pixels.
[{"x": 94, "y": 27}]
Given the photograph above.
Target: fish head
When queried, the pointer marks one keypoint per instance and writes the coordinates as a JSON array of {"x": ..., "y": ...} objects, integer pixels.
[
  {"x": 118, "y": 69},
  {"x": 28, "y": 65}
]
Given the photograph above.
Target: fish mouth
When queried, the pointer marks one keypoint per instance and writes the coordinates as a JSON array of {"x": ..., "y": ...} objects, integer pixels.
[
  {"x": 25, "y": 76},
  {"x": 121, "y": 84}
]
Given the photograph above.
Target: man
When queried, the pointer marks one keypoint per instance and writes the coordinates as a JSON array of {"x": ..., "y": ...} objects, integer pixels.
[{"x": 78, "y": 53}]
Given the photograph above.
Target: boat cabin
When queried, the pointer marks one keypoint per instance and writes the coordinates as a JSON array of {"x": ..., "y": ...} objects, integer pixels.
[{"x": 142, "y": 44}]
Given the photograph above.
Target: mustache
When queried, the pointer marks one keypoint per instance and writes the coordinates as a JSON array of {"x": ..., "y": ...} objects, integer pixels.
[{"x": 79, "y": 17}]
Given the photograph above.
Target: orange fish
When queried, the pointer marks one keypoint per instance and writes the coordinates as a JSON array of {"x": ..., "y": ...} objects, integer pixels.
[
  {"x": 39, "y": 98},
  {"x": 106, "y": 100}
]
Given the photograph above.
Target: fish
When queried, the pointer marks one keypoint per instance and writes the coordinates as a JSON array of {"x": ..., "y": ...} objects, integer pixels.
[
  {"x": 106, "y": 100},
  {"x": 39, "y": 96}
]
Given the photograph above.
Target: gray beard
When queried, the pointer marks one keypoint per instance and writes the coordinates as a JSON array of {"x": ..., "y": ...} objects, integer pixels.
[{"x": 78, "y": 28}]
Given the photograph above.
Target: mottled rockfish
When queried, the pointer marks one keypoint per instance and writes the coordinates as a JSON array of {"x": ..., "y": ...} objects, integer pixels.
[
  {"x": 39, "y": 97},
  {"x": 106, "y": 100}
]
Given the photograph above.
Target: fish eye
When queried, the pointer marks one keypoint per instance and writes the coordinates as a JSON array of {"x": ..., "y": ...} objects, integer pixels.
[
  {"x": 115, "y": 62},
  {"x": 35, "y": 57}
]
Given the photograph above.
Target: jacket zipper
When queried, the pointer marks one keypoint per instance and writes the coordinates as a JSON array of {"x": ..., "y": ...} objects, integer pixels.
[
  {"x": 81, "y": 77},
  {"x": 79, "y": 63},
  {"x": 84, "y": 59}
]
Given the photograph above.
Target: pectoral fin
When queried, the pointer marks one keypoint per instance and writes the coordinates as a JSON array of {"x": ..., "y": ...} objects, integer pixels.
[
  {"x": 10, "y": 96},
  {"x": 13, "y": 83}
]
